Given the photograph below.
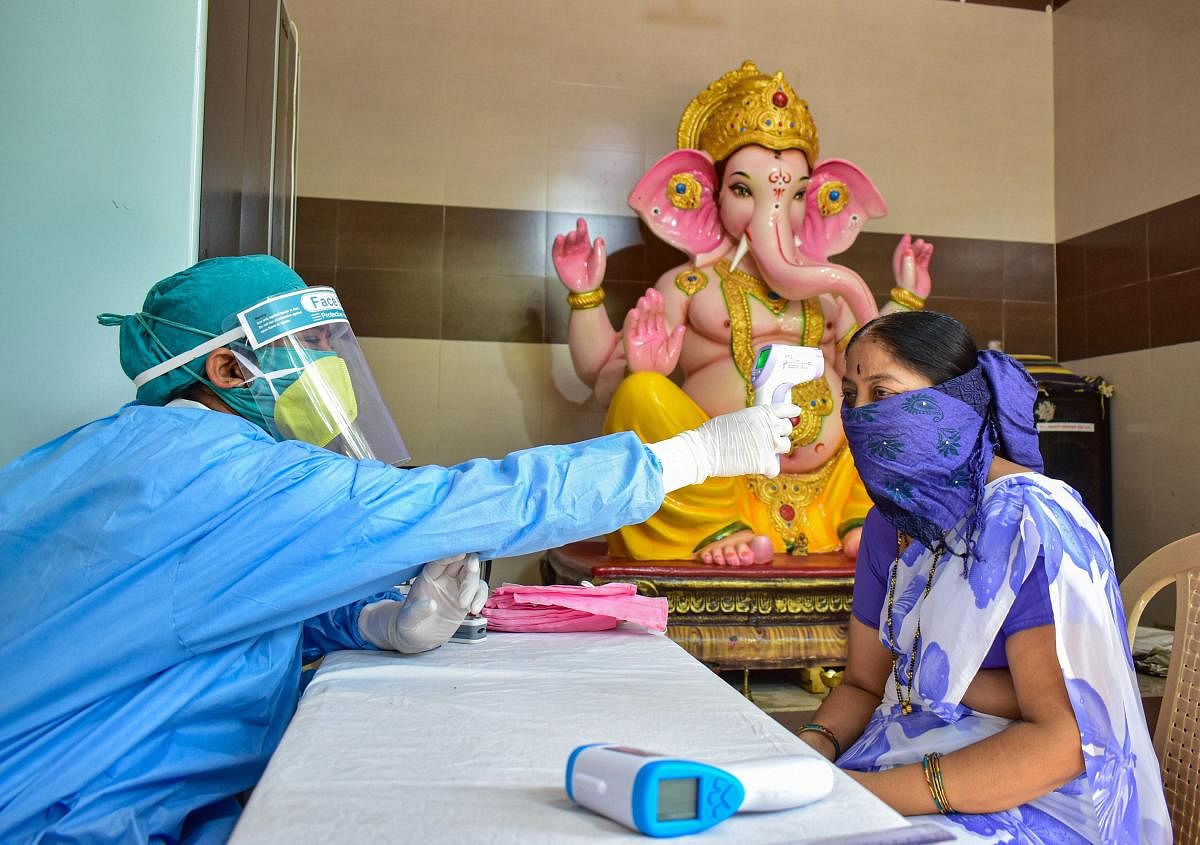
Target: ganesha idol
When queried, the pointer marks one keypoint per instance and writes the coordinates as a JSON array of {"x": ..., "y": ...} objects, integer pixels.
[{"x": 758, "y": 215}]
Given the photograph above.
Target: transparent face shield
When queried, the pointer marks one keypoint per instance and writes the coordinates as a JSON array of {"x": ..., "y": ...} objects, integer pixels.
[{"x": 309, "y": 377}]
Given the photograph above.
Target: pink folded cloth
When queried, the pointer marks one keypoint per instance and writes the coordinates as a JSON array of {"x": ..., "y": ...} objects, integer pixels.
[{"x": 517, "y": 607}]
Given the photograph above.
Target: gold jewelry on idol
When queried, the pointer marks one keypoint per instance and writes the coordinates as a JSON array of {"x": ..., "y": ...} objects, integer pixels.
[
  {"x": 746, "y": 106},
  {"x": 845, "y": 339},
  {"x": 907, "y": 300},
  {"x": 902, "y": 696},
  {"x": 586, "y": 300}
]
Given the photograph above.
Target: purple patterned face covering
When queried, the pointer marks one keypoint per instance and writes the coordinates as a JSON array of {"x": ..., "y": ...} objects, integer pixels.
[{"x": 924, "y": 455}]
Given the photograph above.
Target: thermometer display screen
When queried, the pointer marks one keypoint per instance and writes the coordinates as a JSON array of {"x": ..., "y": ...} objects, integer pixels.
[{"x": 677, "y": 799}]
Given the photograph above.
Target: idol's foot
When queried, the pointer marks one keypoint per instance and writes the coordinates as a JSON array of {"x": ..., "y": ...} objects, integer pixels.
[
  {"x": 745, "y": 548},
  {"x": 850, "y": 543}
]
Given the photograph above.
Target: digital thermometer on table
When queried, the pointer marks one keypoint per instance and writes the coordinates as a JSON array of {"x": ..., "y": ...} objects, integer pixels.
[
  {"x": 779, "y": 367},
  {"x": 666, "y": 796}
]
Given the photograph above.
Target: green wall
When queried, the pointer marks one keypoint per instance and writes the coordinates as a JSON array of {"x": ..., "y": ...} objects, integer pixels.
[{"x": 99, "y": 187}]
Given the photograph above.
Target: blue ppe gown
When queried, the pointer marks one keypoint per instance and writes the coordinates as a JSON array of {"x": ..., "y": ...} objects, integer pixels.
[{"x": 162, "y": 570}]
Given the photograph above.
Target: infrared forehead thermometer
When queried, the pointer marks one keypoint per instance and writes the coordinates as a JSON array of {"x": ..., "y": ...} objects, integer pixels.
[
  {"x": 779, "y": 367},
  {"x": 667, "y": 796}
]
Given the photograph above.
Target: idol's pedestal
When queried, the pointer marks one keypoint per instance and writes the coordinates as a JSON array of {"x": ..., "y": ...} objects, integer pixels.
[{"x": 791, "y": 613}]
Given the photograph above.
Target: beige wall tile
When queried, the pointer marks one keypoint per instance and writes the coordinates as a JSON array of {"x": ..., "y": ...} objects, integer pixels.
[
  {"x": 379, "y": 103},
  {"x": 1156, "y": 466},
  {"x": 484, "y": 175},
  {"x": 406, "y": 370},
  {"x": 486, "y": 432},
  {"x": 592, "y": 181},
  {"x": 523, "y": 569},
  {"x": 947, "y": 106},
  {"x": 1126, "y": 114},
  {"x": 495, "y": 108},
  {"x": 564, "y": 390},
  {"x": 506, "y": 38},
  {"x": 1175, "y": 385},
  {"x": 479, "y": 374},
  {"x": 319, "y": 159},
  {"x": 396, "y": 169},
  {"x": 595, "y": 116}
]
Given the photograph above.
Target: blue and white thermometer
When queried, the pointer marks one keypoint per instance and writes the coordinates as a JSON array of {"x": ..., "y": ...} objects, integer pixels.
[
  {"x": 667, "y": 796},
  {"x": 779, "y": 367}
]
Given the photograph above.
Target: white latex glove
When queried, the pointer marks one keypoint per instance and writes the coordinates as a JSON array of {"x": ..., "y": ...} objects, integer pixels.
[
  {"x": 745, "y": 442},
  {"x": 438, "y": 601}
]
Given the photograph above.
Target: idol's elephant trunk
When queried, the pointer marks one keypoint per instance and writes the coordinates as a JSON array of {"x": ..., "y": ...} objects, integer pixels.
[{"x": 793, "y": 275}]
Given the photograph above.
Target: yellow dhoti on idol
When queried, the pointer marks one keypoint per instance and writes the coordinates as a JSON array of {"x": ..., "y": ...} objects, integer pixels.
[{"x": 801, "y": 513}]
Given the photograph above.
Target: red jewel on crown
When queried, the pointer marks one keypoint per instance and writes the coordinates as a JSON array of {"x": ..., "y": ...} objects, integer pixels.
[{"x": 779, "y": 99}]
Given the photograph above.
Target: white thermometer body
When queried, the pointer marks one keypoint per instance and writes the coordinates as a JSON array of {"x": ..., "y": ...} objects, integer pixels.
[
  {"x": 779, "y": 367},
  {"x": 667, "y": 796}
]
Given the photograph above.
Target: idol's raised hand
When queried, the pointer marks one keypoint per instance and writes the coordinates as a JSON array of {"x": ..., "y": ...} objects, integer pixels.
[
  {"x": 579, "y": 261},
  {"x": 649, "y": 346}
]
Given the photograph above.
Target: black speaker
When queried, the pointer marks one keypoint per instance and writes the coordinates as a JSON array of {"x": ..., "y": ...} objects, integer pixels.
[{"x": 1072, "y": 417}]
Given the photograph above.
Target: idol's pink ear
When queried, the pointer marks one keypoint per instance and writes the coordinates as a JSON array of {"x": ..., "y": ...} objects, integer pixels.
[
  {"x": 676, "y": 200},
  {"x": 840, "y": 199}
]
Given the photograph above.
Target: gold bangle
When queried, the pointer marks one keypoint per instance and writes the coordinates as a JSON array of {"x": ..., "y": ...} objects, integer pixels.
[
  {"x": 825, "y": 732},
  {"x": 845, "y": 339},
  {"x": 907, "y": 299},
  {"x": 728, "y": 531},
  {"x": 932, "y": 765},
  {"x": 588, "y": 299}
]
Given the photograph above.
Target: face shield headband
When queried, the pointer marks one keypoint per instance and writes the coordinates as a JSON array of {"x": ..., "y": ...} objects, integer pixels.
[{"x": 306, "y": 376}]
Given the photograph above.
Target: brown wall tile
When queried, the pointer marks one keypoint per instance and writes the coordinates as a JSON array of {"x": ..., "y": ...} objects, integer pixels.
[
  {"x": 1028, "y": 271},
  {"x": 489, "y": 307},
  {"x": 871, "y": 257},
  {"x": 1175, "y": 308},
  {"x": 984, "y": 318},
  {"x": 1072, "y": 334},
  {"x": 660, "y": 255},
  {"x": 1118, "y": 320},
  {"x": 316, "y": 275},
  {"x": 1070, "y": 269},
  {"x": 1029, "y": 327},
  {"x": 969, "y": 268},
  {"x": 624, "y": 246},
  {"x": 1116, "y": 255},
  {"x": 391, "y": 303},
  {"x": 1174, "y": 238},
  {"x": 495, "y": 242},
  {"x": 316, "y": 232},
  {"x": 499, "y": 282},
  {"x": 390, "y": 236}
]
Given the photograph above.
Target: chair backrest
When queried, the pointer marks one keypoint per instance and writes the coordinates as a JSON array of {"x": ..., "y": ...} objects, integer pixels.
[{"x": 1177, "y": 735}]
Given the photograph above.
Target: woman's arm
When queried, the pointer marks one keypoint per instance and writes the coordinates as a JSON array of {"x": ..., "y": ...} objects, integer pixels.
[
  {"x": 1031, "y": 757},
  {"x": 848, "y": 708}
]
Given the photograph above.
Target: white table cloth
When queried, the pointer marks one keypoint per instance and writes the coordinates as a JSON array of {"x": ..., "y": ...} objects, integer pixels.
[{"x": 469, "y": 743}]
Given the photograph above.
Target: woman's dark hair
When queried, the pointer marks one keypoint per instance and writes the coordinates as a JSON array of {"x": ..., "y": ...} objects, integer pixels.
[{"x": 935, "y": 345}]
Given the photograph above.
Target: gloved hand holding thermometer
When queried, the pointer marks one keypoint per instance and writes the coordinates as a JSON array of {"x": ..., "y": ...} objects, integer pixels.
[
  {"x": 749, "y": 441},
  {"x": 667, "y": 796},
  {"x": 440, "y": 598}
]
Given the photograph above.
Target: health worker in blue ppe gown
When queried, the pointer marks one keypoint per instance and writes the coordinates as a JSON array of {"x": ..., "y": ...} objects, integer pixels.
[{"x": 165, "y": 571}]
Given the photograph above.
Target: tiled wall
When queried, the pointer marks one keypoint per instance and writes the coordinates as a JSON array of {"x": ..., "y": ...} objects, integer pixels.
[
  {"x": 1131, "y": 285},
  {"x": 546, "y": 105},
  {"x": 453, "y": 273},
  {"x": 1127, "y": 115},
  {"x": 1126, "y": 110}
]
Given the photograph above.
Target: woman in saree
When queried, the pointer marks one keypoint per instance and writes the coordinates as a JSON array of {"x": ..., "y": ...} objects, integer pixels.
[{"x": 989, "y": 684}]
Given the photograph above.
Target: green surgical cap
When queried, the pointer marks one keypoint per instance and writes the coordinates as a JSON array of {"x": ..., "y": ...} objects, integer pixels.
[{"x": 184, "y": 310}]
